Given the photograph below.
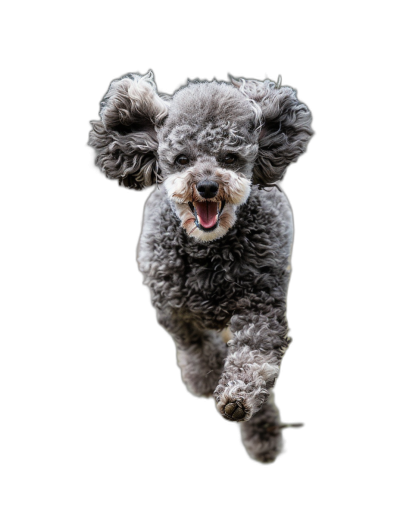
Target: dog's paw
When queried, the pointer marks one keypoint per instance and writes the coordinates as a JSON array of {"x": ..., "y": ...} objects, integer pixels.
[
  {"x": 239, "y": 401},
  {"x": 263, "y": 442},
  {"x": 234, "y": 411},
  {"x": 262, "y": 436}
]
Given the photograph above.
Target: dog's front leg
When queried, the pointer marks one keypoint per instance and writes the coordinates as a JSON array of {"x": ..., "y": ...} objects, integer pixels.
[
  {"x": 200, "y": 353},
  {"x": 252, "y": 366}
]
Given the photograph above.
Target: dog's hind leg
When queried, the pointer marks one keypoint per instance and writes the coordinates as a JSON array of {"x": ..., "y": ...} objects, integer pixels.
[
  {"x": 200, "y": 353},
  {"x": 202, "y": 362},
  {"x": 262, "y": 434}
]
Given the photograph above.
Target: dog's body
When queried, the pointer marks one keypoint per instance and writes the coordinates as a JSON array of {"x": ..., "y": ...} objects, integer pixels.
[{"x": 215, "y": 247}]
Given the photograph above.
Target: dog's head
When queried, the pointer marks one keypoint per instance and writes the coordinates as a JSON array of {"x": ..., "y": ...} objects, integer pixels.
[{"x": 208, "y": 143}]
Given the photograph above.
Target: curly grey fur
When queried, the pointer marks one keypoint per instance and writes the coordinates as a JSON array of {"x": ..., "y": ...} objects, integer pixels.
[
  {"x": 286, "y": 127},
  {"x": 125, "y": 137},
  {"x": 236, "y": 274}
]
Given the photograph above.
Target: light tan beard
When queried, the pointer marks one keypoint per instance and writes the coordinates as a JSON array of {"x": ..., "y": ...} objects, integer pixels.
[
  {"x": 180, "y": 186},
  {"x": 234, "y": 189}
]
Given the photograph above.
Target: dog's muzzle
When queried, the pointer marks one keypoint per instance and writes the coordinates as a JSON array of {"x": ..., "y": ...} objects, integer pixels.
[{"x": 207, "y": 214}]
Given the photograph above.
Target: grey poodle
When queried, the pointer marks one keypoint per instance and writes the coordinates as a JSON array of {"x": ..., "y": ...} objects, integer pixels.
[{"x": 217, "y": 234}]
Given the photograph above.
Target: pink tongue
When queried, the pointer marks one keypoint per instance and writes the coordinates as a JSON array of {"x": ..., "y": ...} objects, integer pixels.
[{"x": 207, "y": 213}]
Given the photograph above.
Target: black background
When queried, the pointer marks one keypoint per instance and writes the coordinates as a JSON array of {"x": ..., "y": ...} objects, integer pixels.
[{"x": 130, "y": 423}]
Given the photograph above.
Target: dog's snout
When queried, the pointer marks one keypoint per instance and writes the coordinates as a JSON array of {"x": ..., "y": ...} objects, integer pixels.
[{"x": 207, "y": 189}]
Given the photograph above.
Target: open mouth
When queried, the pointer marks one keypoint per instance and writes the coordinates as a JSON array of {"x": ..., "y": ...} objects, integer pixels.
[{"x": 207, "y": 214}]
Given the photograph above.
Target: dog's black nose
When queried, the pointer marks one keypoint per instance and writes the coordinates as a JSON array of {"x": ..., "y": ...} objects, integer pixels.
[{"x": 207, "y": 189}]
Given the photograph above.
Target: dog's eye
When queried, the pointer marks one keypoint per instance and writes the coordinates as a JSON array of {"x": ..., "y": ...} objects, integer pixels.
[
  {"x": 230, "y": 158},
  {"x": 182, "y": 160}
]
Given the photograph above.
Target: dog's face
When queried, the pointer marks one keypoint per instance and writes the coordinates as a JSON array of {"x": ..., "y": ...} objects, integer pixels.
[
  {"x": 207, "y": 144},
  {"x": 207, "y": 148}
]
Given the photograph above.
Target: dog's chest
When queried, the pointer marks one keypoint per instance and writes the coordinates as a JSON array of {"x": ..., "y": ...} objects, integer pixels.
[
  {"x": 204, "y": 282},
  {"x": 210, "y": 288}
]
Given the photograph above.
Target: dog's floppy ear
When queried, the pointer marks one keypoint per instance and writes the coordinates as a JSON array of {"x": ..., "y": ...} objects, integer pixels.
[
  {"x": 285, "y": 127},
  {"x": 125, "y": 138}
]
